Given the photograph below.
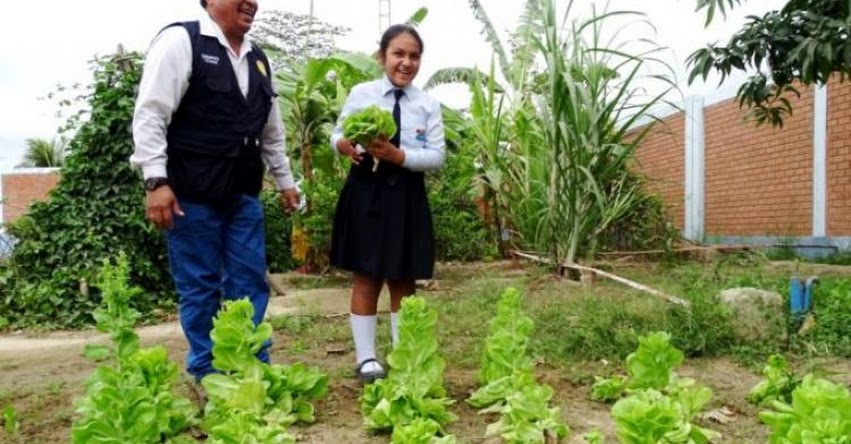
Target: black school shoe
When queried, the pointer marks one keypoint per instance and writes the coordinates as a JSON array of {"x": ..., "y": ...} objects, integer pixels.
[{"x": 371, "y": 376}]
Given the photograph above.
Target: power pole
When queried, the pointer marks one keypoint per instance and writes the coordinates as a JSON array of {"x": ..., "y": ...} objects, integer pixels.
[{"x": 383, "y": 15}]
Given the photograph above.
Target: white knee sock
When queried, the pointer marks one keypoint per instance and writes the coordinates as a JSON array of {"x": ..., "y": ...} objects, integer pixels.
[
  {"x": 394, "y": 327},
  {"x": 363, "y": 331}
]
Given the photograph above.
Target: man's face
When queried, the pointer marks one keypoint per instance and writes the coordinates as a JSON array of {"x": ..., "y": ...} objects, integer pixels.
[{"x": 233, "y": 16}]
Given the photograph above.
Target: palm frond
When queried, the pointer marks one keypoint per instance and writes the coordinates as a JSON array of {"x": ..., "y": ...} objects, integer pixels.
[
  {"x": 491, "y": 37},
  {"x": 523, "y": 53},
  {"x": 42, "y": 153},
  {"x": 448, "y": 76}
]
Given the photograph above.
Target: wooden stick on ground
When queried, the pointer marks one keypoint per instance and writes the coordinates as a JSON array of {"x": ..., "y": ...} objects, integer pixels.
[{"x": 614, "y": 277}]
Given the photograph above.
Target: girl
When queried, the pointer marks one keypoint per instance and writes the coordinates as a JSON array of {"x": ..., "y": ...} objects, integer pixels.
[{"x": 382, "y": 225}]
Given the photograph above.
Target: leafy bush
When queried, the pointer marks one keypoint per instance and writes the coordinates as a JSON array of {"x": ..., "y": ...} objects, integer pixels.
[
  {"x": 645, "y": 226},
  {"x": 459, "y": 228},
  {"x": 278, "y": 231},
  {"x": 317, "y": 221},
  {"x": 832, "y": 331},
  {"x": 95, "y": 211}
]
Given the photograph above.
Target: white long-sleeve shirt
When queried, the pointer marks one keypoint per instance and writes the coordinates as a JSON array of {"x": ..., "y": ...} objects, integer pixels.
[
  {"x": 421, "y": 136},
  {"x": 165, "y": 79}
]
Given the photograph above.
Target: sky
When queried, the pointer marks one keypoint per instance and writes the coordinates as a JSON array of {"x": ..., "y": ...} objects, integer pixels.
[{"x": 54, "y": 48}]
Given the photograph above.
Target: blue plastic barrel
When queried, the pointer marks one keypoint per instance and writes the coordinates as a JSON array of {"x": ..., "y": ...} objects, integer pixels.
[
  {"x": 801, "y": 295},
  {"x": 797, "y": 305}
]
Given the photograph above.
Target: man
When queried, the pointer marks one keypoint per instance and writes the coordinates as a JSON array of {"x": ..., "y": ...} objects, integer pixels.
[{"x": 206, "y": 118}]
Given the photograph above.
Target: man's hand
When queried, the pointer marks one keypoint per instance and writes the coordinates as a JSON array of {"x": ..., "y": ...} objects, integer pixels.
[
  {"x": 382, "y": 149},
  {"x": 347, "y": 148},
  {"x": 160, "y": 206},
  {"x": 289, "y": 200}
]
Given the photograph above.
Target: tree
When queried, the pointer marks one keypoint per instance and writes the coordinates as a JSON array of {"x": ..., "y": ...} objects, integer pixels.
[
  {"x": 42, "y": 153},
  {"x": 806, "y": 42},
  {"x": 94, "y": 212},
  {"x": 287, "y": 37}
]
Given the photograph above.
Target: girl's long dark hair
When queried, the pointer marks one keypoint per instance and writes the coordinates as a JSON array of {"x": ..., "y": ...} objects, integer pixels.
[{"x": 394, "y": 31}]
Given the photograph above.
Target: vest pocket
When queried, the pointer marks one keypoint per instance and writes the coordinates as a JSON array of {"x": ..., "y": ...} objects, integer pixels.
[
  {"x": 204, "y": 174},
  {"x": 219, "y": 90}
]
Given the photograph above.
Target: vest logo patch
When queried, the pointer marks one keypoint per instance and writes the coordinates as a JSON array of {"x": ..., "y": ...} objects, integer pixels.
[
  {"x": 261, "y": 68},
  {"x": 211, "y": 59}
]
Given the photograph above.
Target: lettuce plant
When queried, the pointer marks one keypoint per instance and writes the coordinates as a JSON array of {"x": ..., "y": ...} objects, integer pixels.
[
  {"x": 659, "y": 406},
  {"x": 412, "y": 395},
  {"x": 128, "y": 399},
  {"x": 506, "y": 347},
  {"x": 505, "y": 361},
  {"x": 777, "y": 385},
  {"x": 651, "y": 365},
  {"x": 251, "y": 401},
  {"x": 525, "y": 417},
  {"x": 820, "y": 412},
  {"x": 508, "y": 383},
  {"x": 648, "y": 416},
  {"x": 368, "y": 124},
  {"x": 420, "y": 431}
]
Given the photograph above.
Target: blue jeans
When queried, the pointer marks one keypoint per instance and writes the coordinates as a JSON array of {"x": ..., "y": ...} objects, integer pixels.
[{"x": 217, "y": 253}]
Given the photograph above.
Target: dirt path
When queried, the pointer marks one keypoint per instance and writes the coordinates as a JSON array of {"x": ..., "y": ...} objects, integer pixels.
[{"x": 26, "y": 359}]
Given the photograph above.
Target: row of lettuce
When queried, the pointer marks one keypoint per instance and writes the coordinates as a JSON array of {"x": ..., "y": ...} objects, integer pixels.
[{"x": 129, "y": 397}]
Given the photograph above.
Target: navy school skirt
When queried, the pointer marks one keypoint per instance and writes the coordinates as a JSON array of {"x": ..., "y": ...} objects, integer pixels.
[{"x": 382, "y": 225}]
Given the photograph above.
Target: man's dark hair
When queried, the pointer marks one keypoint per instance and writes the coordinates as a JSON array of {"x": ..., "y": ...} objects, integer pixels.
[
  {"x": 394, "y": 31},
  {"x": 204, "y": 4}
]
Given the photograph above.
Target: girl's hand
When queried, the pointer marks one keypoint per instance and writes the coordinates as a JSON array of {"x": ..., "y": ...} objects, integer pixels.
[
  {"x": 347, "y": 148},
  {"x": 382, "y": 149}
]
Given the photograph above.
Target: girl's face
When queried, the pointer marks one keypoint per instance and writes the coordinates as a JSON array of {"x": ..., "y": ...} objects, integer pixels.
[{"x": 401, "y": 60}]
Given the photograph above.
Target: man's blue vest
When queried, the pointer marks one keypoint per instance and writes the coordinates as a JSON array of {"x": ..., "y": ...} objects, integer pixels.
[{"x": 214, "y": 136}]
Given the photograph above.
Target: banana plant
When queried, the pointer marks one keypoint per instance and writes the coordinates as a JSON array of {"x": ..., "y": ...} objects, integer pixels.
[
  {"x": 311, "y": 97},
  {"x": 558, "y": 130}
]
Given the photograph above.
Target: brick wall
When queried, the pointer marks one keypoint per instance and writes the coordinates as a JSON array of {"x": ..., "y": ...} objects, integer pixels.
[
  {"x": 758, "y": 180},
  {"x": 662, "y": 158},
  {"x": 22, "y": 188},
  {"x": 838, "y": 159}
]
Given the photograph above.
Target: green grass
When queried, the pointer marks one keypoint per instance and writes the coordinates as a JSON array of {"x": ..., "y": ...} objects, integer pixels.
[
  {"x": 838, "y": 258},
  {"x": 301, "y": 333},
  {"x": 604, "y": 321}
]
